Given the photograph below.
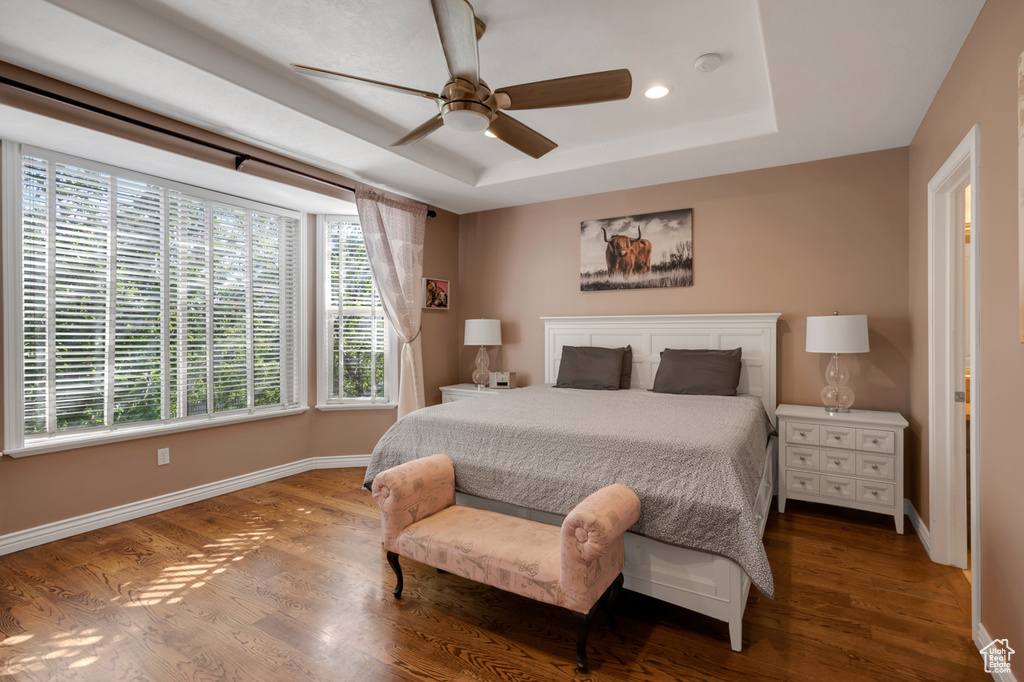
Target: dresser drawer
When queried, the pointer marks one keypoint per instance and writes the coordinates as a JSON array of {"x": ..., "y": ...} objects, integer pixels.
[
  {"x": 876, "y": 493},
  {"x": 801, "y": 433},
  {"x": 837, "y": 486},
  {"x": 836, "y": 462},
  {"x": 801, "y": 458},
  {"x": 452, "y": 394},
  {"x": 876, "y": 441},
  {"x": 876, "y": 466},
  {"x": 838, "y": 437},
  {"x": 799, "y": 482}
]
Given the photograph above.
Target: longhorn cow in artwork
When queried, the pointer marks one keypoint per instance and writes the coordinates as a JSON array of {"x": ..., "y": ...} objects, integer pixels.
[
  {"x": 659, "y": 255},
  {"x": 627, "y": 256}
]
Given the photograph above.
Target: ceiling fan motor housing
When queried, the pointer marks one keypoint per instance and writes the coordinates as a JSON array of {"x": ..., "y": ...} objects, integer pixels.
[{"x": 466, "y": 106}]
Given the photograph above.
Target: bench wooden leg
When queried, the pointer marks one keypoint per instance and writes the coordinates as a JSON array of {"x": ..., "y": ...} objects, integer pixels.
[
  {"x": 613, "y": 596},
  {"x": 583, "y": 621},
  {"x": 393, "y": 560}
]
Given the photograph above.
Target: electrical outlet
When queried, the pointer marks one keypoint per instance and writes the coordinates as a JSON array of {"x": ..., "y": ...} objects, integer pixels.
[{"x": 163, "y": 456}]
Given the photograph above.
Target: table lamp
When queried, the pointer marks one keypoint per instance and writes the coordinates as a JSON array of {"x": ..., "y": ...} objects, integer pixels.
[
  {"x": 837, "y": 334},
  {"x": 482, "y": 333}
]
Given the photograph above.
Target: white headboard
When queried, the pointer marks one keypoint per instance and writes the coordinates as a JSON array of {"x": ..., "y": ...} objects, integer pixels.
[{"x": 651, "y": 334}]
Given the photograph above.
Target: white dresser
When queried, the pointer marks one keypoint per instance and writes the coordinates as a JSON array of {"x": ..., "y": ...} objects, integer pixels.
[
  {"x": 850, "y": 460},
  {"x": 449, "y": 394}
]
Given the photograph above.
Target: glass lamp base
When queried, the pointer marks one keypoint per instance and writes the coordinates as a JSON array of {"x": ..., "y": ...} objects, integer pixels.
[
  {"x": 837, "y": 396},
  {"x": 482, "y": 377}
]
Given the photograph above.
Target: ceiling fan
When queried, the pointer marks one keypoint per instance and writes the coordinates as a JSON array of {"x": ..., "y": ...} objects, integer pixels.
[{"x": 467, "y": 104}]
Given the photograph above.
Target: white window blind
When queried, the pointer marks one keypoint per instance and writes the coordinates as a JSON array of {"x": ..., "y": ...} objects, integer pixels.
[
  {"x": 145, "y": 302},
  {"x": 358, "y": 349}
]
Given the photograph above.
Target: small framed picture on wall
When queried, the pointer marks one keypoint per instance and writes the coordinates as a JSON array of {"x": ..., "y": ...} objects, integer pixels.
[{"x": 436, "y": 293}]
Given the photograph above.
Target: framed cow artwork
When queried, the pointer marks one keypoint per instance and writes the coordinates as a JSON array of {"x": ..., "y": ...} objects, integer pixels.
[{"x": 652, "y": 250}]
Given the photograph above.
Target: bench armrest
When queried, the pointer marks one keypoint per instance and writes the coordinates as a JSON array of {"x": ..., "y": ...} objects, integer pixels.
[
  {"x": 592, "y": 549},
  {"x": 411, "y": 492}
]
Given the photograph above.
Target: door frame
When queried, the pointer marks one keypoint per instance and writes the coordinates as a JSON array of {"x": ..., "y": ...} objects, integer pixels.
[{"x": 947, "y": 466}]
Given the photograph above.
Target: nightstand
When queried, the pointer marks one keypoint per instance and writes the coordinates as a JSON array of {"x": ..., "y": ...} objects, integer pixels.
[
  {"x": 851, "y": 460},
  {"x": 449, "y": 394}
]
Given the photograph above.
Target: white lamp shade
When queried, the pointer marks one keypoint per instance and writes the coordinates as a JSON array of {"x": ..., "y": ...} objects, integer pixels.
[
  {"x": 837, "y": 334},
  {"x": 483, "y": 333}
]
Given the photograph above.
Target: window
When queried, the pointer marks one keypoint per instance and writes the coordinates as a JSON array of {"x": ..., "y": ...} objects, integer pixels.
[
  {"x": 357, "y": 349},
  {"x": 138, "y": 305}
]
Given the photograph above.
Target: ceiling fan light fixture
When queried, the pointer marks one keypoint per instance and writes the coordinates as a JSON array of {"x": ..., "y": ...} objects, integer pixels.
[
  {"x": 488, "y": 133},
  {"x": 466, "y": 117},
  {"x": 657, "y": 91}
]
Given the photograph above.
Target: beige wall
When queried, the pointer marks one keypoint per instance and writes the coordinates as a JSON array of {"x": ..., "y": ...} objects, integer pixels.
[
  {"x": 44, "y": 488},
  {"x": 801, "y": 240},
  {"x": 981, "y": 87}
]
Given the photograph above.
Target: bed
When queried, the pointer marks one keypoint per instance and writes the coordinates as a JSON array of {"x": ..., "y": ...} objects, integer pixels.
[{"x": 706, "y": 481}]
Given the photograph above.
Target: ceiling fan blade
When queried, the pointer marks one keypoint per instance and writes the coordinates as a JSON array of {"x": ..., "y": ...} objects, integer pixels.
[
  {"x": 522, "y": 137},
  {"x": 420, "y": 132},
  {"x": 334, "y": 75},
  {"x": 456, "y": 25},
  {"x": 589, "y": 88}
]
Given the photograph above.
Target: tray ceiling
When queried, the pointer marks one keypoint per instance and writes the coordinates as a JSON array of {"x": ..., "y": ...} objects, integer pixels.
[{"x": 800, "y": 80}]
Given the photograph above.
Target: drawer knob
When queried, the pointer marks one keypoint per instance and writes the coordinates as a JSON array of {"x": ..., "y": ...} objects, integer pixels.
[
  {"x": 875, "y": 441},
  {"x": 803, "y": 482},
  {"x": 837, "y": 462},
  {"x": 837, "y": 437},
  {"x": 837, "y": 486},
  {"x": 801, "y": 433},
  {"x": 802, "y": 458},
  {"x": 875, "y": 493},
  {"x": 875, "y": 467}
]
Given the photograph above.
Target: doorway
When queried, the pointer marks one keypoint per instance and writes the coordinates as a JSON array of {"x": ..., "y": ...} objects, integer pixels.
[
  {"x": 965, "y": 330},
  {"x": 953, "y": 360},
  {"x": 965, "y": 327}
]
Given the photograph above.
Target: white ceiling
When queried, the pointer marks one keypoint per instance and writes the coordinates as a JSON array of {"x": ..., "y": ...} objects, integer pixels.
[{"x": 800, "y": 80}]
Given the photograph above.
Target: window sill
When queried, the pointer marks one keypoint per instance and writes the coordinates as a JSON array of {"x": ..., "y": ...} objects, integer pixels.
[
  {"x": 70, "y": 442},
  {"x": 341, "y": 407}
]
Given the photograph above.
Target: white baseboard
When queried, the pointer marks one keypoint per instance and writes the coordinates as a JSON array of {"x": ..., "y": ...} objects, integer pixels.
[
  {"x": 340, "y": 462},
  {"x": 982, "y": 640},
  {"x": 919, "y": 527},
  {"x": 31, "y": 537}
]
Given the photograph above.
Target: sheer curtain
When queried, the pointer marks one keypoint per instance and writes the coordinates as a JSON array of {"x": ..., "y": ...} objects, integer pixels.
[{"x": 393, "y": 232}]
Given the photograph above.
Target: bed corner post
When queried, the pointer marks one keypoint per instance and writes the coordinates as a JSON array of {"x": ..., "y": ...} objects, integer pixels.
[{"x": 737, "y": 603}]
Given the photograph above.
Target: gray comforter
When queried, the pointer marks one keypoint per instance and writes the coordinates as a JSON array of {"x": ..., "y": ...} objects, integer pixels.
[{"x": 695, "y": 462}]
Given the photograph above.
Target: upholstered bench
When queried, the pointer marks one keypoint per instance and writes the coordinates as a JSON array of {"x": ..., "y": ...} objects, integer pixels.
[{"x": 571, "y": 566}]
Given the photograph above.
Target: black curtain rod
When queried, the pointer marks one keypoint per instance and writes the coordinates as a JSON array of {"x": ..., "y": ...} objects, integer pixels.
[{"x": 240, "y": 159}]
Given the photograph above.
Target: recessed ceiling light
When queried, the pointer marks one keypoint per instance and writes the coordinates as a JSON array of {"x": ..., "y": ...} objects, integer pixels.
[
  {"x": 488, "y": 133},
  {"x": 657, "y": 92}
]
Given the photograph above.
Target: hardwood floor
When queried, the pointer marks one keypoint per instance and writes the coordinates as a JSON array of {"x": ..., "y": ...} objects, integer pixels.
[{"x": 288, "y": 581}]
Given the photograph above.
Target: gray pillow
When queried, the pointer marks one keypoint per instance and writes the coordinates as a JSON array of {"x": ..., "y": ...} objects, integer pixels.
[
  {"x": 590, "y": 367},
  {"x": 627, "y": 367},
  {"x": 698, "y": 372}
]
